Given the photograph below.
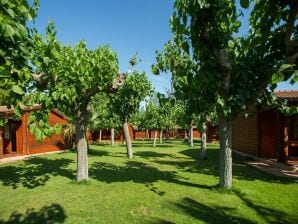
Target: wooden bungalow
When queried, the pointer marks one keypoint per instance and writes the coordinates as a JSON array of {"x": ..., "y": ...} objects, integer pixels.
[
  {"x": 211, "y": 133},
  {"x": 15, "y": 137},
  {"x": 180, "y": 133},
  {"x": 106, "y": 134},
  {"x": 268, "y": 133}
]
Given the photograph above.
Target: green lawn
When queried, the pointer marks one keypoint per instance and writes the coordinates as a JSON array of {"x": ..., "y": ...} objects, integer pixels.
[{"x": 166, "y": 184}]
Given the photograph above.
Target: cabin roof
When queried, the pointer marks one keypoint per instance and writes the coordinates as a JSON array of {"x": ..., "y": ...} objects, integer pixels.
[
  {"x": 9, "y": 111},
  {"x": 290, "y": 95}
]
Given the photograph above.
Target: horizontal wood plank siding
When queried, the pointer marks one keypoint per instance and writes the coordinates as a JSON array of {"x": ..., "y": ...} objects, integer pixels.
[
  {"x": 49, "y": 144},
  {"x": 245, "y": 134},
  {"x": 269, "y": 133}
]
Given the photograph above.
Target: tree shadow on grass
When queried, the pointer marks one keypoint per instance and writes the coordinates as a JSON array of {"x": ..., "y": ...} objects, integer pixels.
[
  {"x": 93, "y": 152},
  {"x": 153, "y": 154},
  {"x": 210, "y": 166},
  {"x": 165, "y": 144},
  {"x": 270, "y": 215},
  {"x": 35, "y": 172},
  {"x": 158, "y": 221},
  {"x": 243, "y": 171},
  {"x": 97, "y": 152},
  {"x": 150, "y": 145},
  {"x": 47, "y": 214},
  {"x": 210, "y": 214},
  {"x": 138, "y": 172},
  {"x": 192, "y": 164}
]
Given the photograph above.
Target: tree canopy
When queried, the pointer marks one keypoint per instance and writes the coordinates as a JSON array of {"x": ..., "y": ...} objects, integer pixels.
[
  {"x": 67, "y": 78},
  {"x": 15, "y": 50},
  {"x": 236, "y": 69}
]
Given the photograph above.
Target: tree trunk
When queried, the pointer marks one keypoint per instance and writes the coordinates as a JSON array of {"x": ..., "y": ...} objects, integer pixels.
[
  {"x": 160, "y": 136},
  {"x": 147, "y": 133},
  {"x": 191, "y": 135},
  {"x": 112, "y": 136},
  {"x": 82, "y": 148},
  {"x": 225, "y": 134},
  {"x": 127, "y": 140},
  {"x": 224, "y": 123},
  {"x": 167, "y": 134},
  {"x": 100, "y": 133},
  {"x": 185, "y": 134},
  {"x": 155, "y": 137},
  {"x": 142, "y": 134},
  {"x": 203, "y": 141}
]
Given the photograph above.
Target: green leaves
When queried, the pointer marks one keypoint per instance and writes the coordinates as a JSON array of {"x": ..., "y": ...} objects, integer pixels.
[
  {"x": 4, "y": 73},
  {"x": 73, "y": 74},
  {"x": 16, "y": 46},
  {"x": 294, "y": 78},
  {"x": 277, "y": 77},
  {"x": 128, "y": 98},
  {"x": 286, "y": 67},
  {"x": 17, "y": 89},
  {"x": 39, "y": 125},
  {"x": 282, "y": 74}
]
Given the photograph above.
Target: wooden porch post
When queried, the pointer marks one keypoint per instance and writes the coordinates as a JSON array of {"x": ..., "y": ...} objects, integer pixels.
[
  {"x": 286, "y": 139},
  {"x": 279, "y": 147},
  {"x": 1, "y": 141},
  {"x": 260, "y": 133}
]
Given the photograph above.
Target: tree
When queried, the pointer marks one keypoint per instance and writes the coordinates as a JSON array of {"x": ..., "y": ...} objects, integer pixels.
[
  {"x": 103, "y": 116},
  {"x": 16, "y": 45},
  {"x": 238, "y": 69},
  {"x": 138, "y": 120},
  {"x": 68, "y": 79},
  {"x": 196, "y": 102},
  {"x": 152, "y": 119},
  {"x": 167, "y": 111},
  {"x": 127, "y": 101}
]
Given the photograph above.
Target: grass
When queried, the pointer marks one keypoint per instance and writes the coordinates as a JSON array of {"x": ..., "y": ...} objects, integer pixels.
[{"x": 166, "y": 184}]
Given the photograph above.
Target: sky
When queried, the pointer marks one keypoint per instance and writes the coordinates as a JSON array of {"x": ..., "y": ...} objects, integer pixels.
[{"x": 127, "y": 26}]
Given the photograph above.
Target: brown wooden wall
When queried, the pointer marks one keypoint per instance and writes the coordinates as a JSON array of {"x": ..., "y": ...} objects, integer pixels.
[
  {"x": 269, "y": 130},
  {"x": 139, "y": 134},
  {"x": 164, "y": 134},
  {"x": 25, "y": 143},
  {"x": 245, "y": 134},
  {"x": 196, "y": 133},
  {"x": 53, "y": 143},
  {"x": 106, "y": 134},
  {"x": 212, "y": 133},
  {"x": 261, "y": 134},
  {"x": 8, "y": 146}
]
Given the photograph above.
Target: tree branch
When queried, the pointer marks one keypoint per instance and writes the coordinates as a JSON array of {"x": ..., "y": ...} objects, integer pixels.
[{"x": 290, "y": 26}]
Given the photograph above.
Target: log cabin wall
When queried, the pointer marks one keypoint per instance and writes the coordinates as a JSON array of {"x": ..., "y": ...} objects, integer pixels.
[
  {"x": 293, "y": 136},
  {"x": 1, "y": 141},
  {"x": 19, "y": 137},
  {"x": 106, "y": 134},
  {"x": 245, "y": 134},
  {"x": 181, "y": 133},
  {"x": 196, "y": 133},
  {"x": 49, "y": 144},
  {"x": 212, "y": 132},
  {"x": 171, "y": 134},
  {"x": 265, "y": 134},
  {"x": 139, "y": 134},
  {"x": 269, "y": 134},
  {"x": 16, "y": 139}
]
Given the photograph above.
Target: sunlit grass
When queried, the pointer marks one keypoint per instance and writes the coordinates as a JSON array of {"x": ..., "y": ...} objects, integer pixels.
[{"x": 166, "y": 184}]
